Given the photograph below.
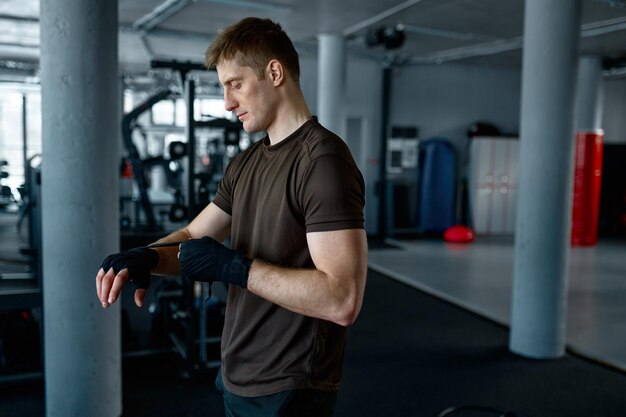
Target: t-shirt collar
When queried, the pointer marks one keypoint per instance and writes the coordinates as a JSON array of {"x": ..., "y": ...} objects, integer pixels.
[{"x": 305, "y": 126}]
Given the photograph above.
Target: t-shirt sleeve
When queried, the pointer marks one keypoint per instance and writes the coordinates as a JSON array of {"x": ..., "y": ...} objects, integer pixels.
[{"x": 332, "y": 195}]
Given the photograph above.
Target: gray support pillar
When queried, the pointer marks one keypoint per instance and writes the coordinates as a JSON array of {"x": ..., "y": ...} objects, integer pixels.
[
  {"x": 590, "y": 93},
  {"x": 551, "y": 33},
  {"x": 331, "y": 81},
  {"x": 80, "y": 206}
]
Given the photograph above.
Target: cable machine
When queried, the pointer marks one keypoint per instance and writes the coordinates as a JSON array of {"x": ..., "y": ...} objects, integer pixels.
[{"x": 183, "y": 314}]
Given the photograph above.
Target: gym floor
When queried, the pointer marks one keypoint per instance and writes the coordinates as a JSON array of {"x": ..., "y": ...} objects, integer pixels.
[
  {"x": 478, "y": 277},
  {"x": 432, "y": 334}
]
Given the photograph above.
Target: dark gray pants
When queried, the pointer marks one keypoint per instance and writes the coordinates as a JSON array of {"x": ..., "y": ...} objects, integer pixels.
[{"x": 292, "y": 403}]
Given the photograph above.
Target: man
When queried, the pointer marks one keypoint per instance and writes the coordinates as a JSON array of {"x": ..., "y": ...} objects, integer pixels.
[{"x": 292, "y": 206}]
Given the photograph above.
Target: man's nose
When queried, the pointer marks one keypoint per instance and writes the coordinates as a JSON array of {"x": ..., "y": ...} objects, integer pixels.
[{"x": 229, "y": 103}]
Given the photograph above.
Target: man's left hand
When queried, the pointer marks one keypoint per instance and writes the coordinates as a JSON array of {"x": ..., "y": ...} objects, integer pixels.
[{"x": 208, "y": 260}]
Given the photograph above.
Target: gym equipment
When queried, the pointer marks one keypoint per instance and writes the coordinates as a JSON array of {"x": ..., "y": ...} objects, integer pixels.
[
  {"x": 23, "y": 290},
  {"x": 493, "y": 178},
  {"x": 7, "y": 199},
  {"x": 21, "y": 295},
  {"x": 198, "y": 183},
  {"x": 177, "y": 150},
  {"x": 189, "y": 320},
  {"x": 178, "y": 213},
  {"x": 139, "y": 165},
  {"x": 183, "y": 68},
  {"x": 382, "y": 184},
  {"x": 232, "y": 134},
  {"x": 458, "y": 234},
  {"x": 186, "y": 317},
  {"x": 402, "y": 180},
  {"x": 587, "y": 184},
  {"x": 437, "y": 185},
  {"x": 182, "y": 312}
]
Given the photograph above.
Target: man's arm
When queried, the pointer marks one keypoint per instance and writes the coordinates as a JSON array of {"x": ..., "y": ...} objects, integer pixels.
[
  {"x": 212, "y": 221},
  {"x": 332, "y": 291}
]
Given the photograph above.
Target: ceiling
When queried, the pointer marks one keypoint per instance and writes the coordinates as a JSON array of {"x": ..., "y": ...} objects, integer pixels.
[{"x": 436, "y": 31}]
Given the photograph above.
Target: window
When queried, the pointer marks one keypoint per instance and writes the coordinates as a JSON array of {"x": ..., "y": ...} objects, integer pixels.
[
  {"x": 163, "y": 113},
  {"x": 11, "y": 131}
]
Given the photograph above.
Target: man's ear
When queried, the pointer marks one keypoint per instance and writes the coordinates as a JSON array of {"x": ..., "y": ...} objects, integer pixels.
[{"x": 275, "y": 72}]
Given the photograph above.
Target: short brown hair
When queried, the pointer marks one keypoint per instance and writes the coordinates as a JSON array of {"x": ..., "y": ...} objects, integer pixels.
[{"x": 254, "y": 42}]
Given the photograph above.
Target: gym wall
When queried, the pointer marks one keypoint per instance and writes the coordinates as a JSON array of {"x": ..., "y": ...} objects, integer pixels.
[
  {"x": 443, "y": 100},
  {"x": 613, "y": 120}
]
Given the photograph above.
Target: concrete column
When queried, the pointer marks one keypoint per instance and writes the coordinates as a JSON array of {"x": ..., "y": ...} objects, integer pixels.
[
  {"x": 551, "y": 33},
  {"x": 331, "y": 82},
  {"x": 590, "y": 93},
  {"x": 80, "y": 206}
]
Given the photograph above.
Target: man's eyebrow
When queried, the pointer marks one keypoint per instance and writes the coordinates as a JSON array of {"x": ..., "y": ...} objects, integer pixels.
[{"x": 231, "y": 79}]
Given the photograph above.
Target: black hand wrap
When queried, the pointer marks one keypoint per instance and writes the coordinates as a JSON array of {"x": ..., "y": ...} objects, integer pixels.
[
  {"x": 208, "y": 260},
  {"x": 139, "y": 261}
]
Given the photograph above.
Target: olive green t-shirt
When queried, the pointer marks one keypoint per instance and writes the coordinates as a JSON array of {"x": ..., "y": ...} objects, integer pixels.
[{"x": 276, "y": 194}]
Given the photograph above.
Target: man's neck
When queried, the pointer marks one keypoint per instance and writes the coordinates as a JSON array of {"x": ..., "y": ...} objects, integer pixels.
[{"x": 293, "y": 114}]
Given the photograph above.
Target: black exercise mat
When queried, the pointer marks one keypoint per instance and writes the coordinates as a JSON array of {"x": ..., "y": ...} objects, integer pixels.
[{"x": 411, "y": 354}]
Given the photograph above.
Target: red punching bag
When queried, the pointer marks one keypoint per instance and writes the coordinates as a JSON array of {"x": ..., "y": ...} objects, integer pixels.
[{"x": 587, "y": 184}]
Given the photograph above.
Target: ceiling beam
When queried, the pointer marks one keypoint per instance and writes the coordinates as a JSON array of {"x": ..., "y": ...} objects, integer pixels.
[
  {"x": 603, "y": 27},
  {"x": 159, "y": 15},
  {"x": 464, "y": 52},
  {"x": 503, "y": 45},
  {"x": 254, "y": 4},
  {"x": 20, "y": 45},
  {"x": 182, "y": 35},
  {"x": 461, "y": 36},
  {"x": 168, "y": 8},
  {"x": 21, "y": 19}
]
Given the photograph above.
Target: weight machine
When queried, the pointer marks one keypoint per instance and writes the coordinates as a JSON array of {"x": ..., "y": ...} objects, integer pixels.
[
  {"x": 198, "y": 183},
  {"x": 140, "y": 166},
  {"x": 182, "y": 314}
]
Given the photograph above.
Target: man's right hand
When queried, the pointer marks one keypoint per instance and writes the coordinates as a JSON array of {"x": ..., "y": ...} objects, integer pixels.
[{"x": 134, "y": 265}]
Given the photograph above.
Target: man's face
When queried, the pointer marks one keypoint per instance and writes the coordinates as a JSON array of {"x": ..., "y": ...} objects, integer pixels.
[{"x": 252, "y": 100}]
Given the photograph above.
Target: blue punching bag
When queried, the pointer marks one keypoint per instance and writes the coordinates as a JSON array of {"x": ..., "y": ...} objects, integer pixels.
[{"x": 437, "y": 185}]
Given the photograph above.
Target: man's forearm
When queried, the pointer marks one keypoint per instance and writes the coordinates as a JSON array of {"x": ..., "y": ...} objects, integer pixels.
[
  {"x": 310, "y": 292},
  {"x": 168, "y": 256}
]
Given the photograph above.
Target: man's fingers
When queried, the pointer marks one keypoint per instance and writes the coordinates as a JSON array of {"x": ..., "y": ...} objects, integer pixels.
[
  {"x": 107, "y": 284},
  {"x": 140, "y": 294},
  {"x": 118, "y": 283},
  {"x": 99, "y": 277}
]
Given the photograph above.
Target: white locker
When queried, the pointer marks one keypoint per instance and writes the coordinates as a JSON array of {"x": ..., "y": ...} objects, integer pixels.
[{"x": 493, "y": 184}]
